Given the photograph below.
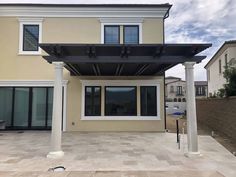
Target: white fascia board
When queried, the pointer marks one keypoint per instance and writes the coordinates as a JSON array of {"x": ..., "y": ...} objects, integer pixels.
[
  {"x": 82, "y": 11},
  {"x": 29, "y": 83}
]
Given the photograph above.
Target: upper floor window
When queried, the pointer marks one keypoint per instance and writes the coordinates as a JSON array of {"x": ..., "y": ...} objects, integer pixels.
[
  {"x": 30, "y": 36},
  {"x": 131, "y": 34},
  {"x": 226, "y": 59},
  {"x": 208, "y": 74},
  {"x": 111, "y": 34},
  {"x": 121, "y": 34},
  {"x": 179, "y": 90},
  {"x": 200, "y": 90},
  {"x": 172, "y": 89},
  {"x": 220, "y": 66}
]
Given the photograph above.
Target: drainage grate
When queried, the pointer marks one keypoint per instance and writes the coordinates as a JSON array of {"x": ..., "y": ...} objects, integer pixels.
[{"x": 58, "y": 168}]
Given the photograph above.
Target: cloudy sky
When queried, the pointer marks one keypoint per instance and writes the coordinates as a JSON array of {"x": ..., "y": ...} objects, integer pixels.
[{"x": 190, "y": 21}]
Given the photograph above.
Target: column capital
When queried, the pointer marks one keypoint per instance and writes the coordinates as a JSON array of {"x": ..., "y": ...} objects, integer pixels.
[
  {"x": 189, "y": 64},
  {"x": 58, "y": 65}
]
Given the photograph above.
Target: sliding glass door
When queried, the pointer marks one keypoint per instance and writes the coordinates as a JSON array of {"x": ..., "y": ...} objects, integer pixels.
[
  {"x": 26, "y": 107},
  {"x": 6, "y": 96},
  {"x": 39, "y": 107},
  {"x": 21, "y": 107}
]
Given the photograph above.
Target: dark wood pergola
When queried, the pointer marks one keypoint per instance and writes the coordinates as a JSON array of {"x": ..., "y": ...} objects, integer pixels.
[{"x": 122, "y": 59}]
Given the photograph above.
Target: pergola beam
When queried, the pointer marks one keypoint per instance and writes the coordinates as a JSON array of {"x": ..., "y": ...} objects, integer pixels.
[{"x": 130, "y": 59}]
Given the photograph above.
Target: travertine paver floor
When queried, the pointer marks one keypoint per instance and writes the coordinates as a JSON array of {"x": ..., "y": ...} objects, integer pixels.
[{"x": 98, "y": 154}]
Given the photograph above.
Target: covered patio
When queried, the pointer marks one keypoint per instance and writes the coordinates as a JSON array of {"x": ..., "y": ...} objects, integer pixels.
[{"x": 122, "y": 60}]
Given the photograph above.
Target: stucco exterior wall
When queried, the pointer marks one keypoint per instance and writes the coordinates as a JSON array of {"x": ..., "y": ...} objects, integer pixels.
[
  {"x": 71, "y": 30},
  {"x": 216, "y": 79},
  {"x": 74, "y": 111}
]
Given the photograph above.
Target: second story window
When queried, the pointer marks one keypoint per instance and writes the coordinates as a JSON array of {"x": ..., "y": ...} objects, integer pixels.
[
  {"x": 131, "y": 34},
  {"x": 226, "y": 60},
  {"x": 179, "y": 90},
  {"x": 111, "y": 34},
  {"x": 121, "y": 34},
  {"x": 30, "y": 37},
  {"x": 172, "y": 89},
  {"x": 220, "y": 66}
]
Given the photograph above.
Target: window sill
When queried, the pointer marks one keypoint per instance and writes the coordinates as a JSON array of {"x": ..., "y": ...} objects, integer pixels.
[
  {"x": 110, "y": 118},
  {"x": 37, "y": 53}
]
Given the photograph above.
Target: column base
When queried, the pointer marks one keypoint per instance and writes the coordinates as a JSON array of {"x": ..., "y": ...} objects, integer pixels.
[
  {"x": 193, "y": 154},
  {"x": 55, "y": 154}
]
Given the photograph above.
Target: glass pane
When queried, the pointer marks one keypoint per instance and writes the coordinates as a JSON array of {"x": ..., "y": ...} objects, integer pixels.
[
  {"x": 131, "y": 34},
  {"x": 148, "y": 101},
  {"x": 50, "y": 105},
  {"x": 120, "y": 101},
  {"x": 21, "y": 107},
  {"x": 6, "y": 104},
  {"x": 111, "y": 35},
  {"x": 38, "y": 107},
  {"x": 92, "y": 101},
  {"x": 30, "y": 37}
]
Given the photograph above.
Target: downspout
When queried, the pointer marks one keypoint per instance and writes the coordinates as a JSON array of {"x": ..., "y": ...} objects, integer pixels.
[{"x": 166, "y": 16}]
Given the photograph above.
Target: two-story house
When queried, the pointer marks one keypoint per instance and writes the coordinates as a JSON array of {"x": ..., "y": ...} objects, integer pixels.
[
  {"x": 175, "y": 89},
  {"x": 88, "y": 67},
  {"x": 225, "y": 55}
]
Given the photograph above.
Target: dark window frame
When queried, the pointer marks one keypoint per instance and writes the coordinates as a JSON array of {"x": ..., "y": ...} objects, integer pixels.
[
  {"x": 220, "y": 69},
  {"x": 100, "y": 100},
  {"x": 29, "y": 126},
  {"x": 179, "y": 90},
  {"x": 23, "y": 38},
  {"x": 105, "y": 96},
  {"x": 124, "y": 33},
  {"x": 156, "y": 109},
  {"x": 104, "y": 33}
]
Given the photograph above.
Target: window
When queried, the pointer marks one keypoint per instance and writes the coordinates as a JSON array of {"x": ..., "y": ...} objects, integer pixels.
[
  {"x": 131, "y": 34},
  {"x": 30, "y": 36},
  {"x": 226, "y": 60},
  {"x": 200, "y": 91},
  {"x": 148, "y": 100},
  {"x": 183, "y": 99},
  {"x": 220, "y": 66},
  {"x": 26, "y": 107},
  {"x": 179, "y": 99},
  {"x": 208, "y": 74},
  {"x": 111, "y": 34},
  {"x": 92, "y": 101},
  {"x": 171, "y": 89},
  {"x": 120, "y": 101},
  {"x": 179, "y": 90}
]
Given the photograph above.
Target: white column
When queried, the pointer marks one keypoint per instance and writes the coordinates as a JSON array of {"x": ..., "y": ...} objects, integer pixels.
[
  {"x": 56, "y": 132},
  {"x": 191, "y": 111}
]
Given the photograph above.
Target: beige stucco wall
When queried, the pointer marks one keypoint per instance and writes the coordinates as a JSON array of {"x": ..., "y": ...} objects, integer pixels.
[
  {"x": 70, "y": 30},
  {"x": 74, "y": 111}
]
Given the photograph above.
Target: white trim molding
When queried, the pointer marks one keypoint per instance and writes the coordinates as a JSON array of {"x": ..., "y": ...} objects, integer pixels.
[
  {"x": 122, "y": 21},
  {"x": 104, "y": 83},
  {"x": 29, "y": 21},
  {"x": 37, "y": 11},
  {"x": 39, "y": 83}
]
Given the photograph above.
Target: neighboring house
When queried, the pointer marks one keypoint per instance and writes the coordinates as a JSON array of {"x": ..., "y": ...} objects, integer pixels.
[
  {"x": 216, "y": 66},
  {"x": 175, "y": 89},
  {"x": 88, "y": 67},
  {"x": 175, "y": 95},
  {"x": 200, "y": 89}
]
